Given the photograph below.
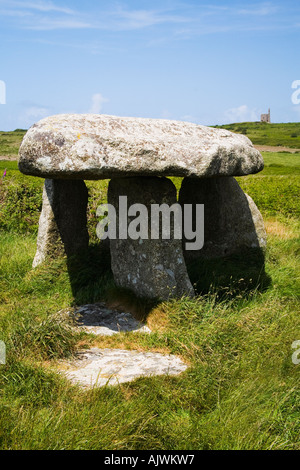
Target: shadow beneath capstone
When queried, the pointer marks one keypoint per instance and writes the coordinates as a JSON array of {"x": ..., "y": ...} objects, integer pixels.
[
  {"x": 92, "y": 281},
  {"x": 90, "y": 273},
  {"x": 231, "y": 276},
  {"x": 232, "y": 261},
  {"x": 100, "y": 319},
  {"x": 125, "y": 300}
]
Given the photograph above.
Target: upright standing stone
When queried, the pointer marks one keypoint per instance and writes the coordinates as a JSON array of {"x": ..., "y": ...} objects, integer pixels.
[
  {"x": 63, "y": 222},
  {"x": 232, "y": 222},
  {"x": 152, "y": 268},
  {"x": 49, "y": 243}
]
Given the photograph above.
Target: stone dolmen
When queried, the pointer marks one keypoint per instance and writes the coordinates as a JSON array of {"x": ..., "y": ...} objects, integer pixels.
[{"x": 137, "y": 155}]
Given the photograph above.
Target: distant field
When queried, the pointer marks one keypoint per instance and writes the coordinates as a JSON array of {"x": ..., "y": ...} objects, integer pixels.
[
  {"x": 262, "y": 133},
  {"x": 10, "y": 143}
]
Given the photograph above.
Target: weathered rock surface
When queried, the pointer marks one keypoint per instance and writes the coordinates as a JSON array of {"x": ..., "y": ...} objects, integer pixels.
[
  {"x": 48, "y": 241},
  {"x": 89, "y": 146},
  {"x": 98, "y": 367},
  {"x": 152, "y": 268},
  {"x": 232, "y": 221},
  {"x": 100, "y": 320},
  {"x": 62, "y": 225}
]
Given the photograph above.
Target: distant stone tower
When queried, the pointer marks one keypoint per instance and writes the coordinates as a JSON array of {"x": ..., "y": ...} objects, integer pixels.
[{"x": 266, "y": 117}]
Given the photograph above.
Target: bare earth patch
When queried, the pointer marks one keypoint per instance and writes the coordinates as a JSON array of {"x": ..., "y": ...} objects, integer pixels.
[
  {"x": 9, "y": 158},
  {"x": 269, "y": 148},
  {"x": 278, "y": 229}
]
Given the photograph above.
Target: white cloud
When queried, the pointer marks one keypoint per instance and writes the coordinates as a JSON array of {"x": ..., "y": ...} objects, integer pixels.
[
  {"x": 42, "y": 15},
  {"x": 33, "y": 114},
  {"x": 15, "y": 13},
  {"x": 48, "y": 24},
  {"x": 97, "y": 103},
  {"x": 190, "y": 20},
  {"x": 36, "y": 112},
  {"x": 46, "y": 15},
  {"x": 265, "y": 9},
  {"x": 241, "y": 114},
  {"x": 189, "y": 118},
  {"x": 137, "y": 19},
  {"x": 38, "y": 5}
]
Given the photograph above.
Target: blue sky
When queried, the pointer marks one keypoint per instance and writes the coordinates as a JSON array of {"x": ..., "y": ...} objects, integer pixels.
[{"x": 209, "y": 62}]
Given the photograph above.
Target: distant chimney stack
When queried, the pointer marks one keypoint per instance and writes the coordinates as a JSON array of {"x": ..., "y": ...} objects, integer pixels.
[{"x": 266, "y": 117}]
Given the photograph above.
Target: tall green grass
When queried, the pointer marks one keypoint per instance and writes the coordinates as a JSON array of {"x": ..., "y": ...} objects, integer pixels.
[{"x": 10, "y": 142}]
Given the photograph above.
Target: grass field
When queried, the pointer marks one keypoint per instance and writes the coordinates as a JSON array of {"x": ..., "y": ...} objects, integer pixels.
[
  {"x": 241, "y": 390},
  {"x": 10, "y": 142},
  {"x": 262, "y": 133}
]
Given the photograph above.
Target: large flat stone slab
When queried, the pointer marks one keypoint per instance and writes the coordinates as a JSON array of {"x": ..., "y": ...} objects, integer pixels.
[
  {"x": 101, "y": 320},
  {"x": 90, "y": 146},
  {"x": 98, "y": 367}
]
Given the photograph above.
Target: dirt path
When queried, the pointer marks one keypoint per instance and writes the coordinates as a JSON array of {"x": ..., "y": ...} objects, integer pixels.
[
  {"x": 268, "y": 148},
  {"x": 9, "y": 157}
]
